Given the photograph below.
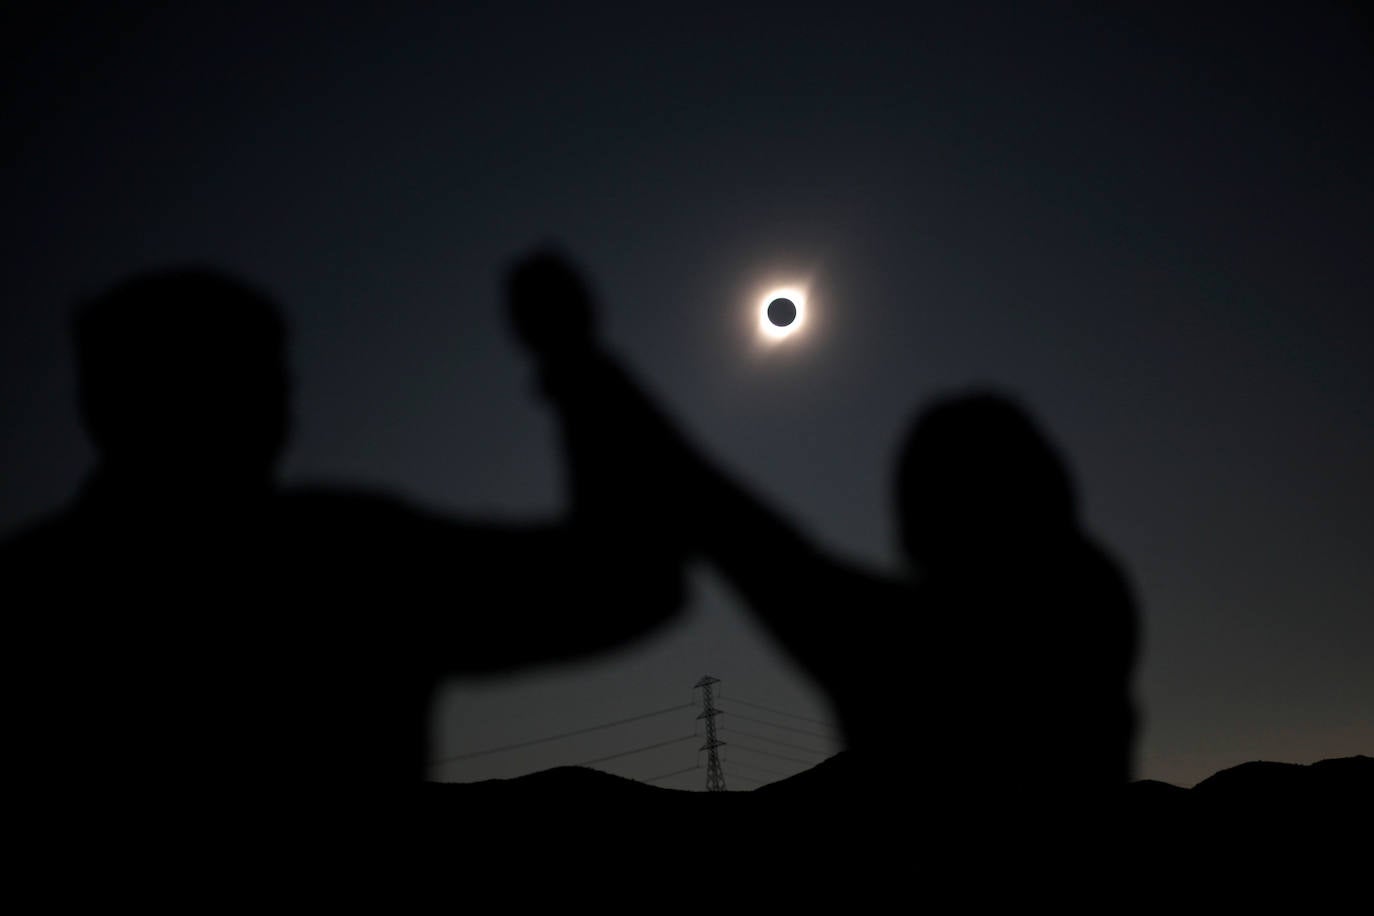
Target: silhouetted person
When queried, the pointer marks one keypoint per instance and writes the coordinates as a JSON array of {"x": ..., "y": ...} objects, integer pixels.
[
  {"x": 990, "y": 680},
  {"x": 1033, "y": 696},
  {"x": 196, "y": 645}
]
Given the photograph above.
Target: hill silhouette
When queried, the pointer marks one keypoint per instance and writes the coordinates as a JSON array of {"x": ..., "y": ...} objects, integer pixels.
[
  {"x": 820, "y": 834},
  {"x": 1260, "y": 781},
  {"x": 1231, "y": 803}
]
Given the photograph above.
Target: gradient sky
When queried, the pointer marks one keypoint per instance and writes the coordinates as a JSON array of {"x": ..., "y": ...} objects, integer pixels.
[{"x": 1155, "y": 224}]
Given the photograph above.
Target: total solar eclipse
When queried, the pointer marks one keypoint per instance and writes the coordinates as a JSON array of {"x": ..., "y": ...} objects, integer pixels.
[{"x": 782, "y": 312}]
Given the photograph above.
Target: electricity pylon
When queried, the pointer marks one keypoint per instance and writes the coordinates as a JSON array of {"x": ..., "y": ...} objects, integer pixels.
[{"x": 715, "y": 779}]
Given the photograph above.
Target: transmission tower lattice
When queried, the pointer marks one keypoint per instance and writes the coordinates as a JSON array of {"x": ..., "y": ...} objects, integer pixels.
[{"x": 715, "y": 778}]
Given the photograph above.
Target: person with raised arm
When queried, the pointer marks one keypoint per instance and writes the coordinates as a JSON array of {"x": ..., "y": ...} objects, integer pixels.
[{"x": 199, "y": 646}]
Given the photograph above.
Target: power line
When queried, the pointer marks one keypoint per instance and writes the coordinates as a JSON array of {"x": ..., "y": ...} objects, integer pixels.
[
  {"x": 783, "y": 727},
  {"x": 581, "y": 731},
  {"x": 638, "y": 750},
  {"x": 790, "y": 715},
  {"x": 755, "y": 750},
  {"x": 800, "y": 747}
]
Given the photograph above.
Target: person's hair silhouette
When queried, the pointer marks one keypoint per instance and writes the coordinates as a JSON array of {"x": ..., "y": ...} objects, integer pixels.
[
  {"x": 976, "y": 476},
  {"x": 202, "y": 626},
  {"x": 997, "y": 669}
]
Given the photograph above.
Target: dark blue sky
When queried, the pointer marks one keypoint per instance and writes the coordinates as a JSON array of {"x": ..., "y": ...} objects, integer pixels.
[{"x": 1154, "y": 224}]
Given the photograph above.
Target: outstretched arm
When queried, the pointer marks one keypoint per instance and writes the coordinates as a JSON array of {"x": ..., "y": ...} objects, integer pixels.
[
  {"x": 552, "y": 593},
  {"x": 467, "y": 596}
]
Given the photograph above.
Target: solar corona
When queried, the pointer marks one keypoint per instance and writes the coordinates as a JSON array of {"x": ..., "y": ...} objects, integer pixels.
[{"x": 782, "y": 313}]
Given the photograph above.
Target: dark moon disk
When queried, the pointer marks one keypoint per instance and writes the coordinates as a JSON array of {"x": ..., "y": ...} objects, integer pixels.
[{"x": 782, "y": 312}]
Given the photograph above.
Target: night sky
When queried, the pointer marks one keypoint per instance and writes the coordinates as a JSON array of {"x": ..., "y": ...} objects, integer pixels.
[{"x": 1156, "y": 225}]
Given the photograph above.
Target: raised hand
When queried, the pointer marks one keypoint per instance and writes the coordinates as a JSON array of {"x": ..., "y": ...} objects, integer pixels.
[
  {"x": 618, "y": 448},
  {"x": 550, "y": 306}
]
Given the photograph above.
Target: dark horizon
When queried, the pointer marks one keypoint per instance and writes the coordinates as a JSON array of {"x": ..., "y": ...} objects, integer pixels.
[{"x": 1153, "y": 226}]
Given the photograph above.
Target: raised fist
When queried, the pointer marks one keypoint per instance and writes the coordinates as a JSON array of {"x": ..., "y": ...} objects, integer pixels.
[{"x": 550, "y": 305}]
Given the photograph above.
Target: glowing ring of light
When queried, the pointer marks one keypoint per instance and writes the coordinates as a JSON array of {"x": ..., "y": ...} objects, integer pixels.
[{"x": 771, "y": 330}]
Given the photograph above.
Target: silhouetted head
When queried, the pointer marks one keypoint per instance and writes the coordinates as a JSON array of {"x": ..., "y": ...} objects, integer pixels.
[
  {"x": 183, "y": 377},
  {"x": 977, "y": 479}
]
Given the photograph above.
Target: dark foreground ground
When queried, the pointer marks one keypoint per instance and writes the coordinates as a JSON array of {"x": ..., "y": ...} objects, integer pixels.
[{"x": 1261, "y": 837}]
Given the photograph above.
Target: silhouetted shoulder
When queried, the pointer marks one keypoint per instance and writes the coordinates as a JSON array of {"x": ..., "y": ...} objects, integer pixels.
[{"x": 1099, "y": 563}]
